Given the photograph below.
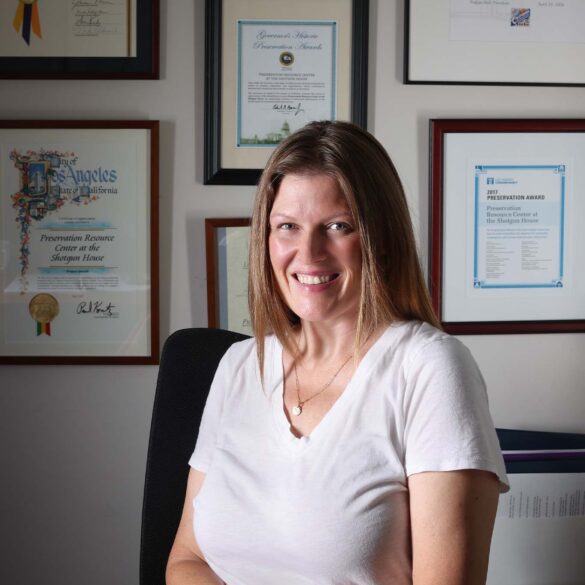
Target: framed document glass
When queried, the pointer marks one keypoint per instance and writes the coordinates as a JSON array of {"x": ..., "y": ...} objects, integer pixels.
[
  {"x": 505, "y": 225},
  {"x": 495, "y": 42},
  {"x": 89, "y": 39},
  {"x": 226, "y": 242},
  {"x": 79, "y": 242},
  {"x": 273, "y": 66}
]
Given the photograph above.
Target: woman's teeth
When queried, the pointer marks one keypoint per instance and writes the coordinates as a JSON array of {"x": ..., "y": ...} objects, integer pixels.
[{"x": 307, "y": 279}]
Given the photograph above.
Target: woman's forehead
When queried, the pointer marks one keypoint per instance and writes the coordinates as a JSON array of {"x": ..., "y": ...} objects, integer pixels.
[{"x": 302, "y": 189}]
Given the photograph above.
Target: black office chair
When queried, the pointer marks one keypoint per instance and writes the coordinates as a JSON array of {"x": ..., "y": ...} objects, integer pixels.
[{"x": 188, "y": 363}]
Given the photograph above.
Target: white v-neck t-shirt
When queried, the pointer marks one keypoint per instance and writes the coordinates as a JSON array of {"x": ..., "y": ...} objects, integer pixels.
[{"x": 332, "y": 508}]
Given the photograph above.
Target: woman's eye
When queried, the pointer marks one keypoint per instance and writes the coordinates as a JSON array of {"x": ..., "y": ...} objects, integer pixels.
[
  {"x": 340, "y": 226},
  {"x": 286, "y": 226}
]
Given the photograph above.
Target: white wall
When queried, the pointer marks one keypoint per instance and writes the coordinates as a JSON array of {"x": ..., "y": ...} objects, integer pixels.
[{"x": 73, "y": 439}]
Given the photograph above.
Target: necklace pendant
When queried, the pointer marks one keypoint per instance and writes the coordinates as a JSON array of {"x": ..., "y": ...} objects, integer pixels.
[{"x": 297, "y": 410}]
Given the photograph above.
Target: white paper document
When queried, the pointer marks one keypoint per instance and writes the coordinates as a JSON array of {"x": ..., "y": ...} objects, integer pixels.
[
  {"x": 539, "y": 531},
  {"x": 527, "y": 21},
  {"x": 519, "y": 226},
  {"x": 233, "y": 245},
  {"x": 286, "y": 77},
  {"x": 67, "y": 28},
  {"x": 73, "y": 216}
]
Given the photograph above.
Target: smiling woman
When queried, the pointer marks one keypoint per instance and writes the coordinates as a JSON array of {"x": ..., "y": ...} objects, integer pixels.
[
  {"x": 350, "y": 441},
  {"x": 362, "y": 174}
]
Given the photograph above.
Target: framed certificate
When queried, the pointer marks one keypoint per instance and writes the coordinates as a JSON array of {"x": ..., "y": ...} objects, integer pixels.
[
  {"x": 90, "y": 39},
  {"x": 226, "y": 243},
  {"x": 79, "y": 242},
  {"x": 273, "y": 66},
  {"x": 495, "y": 42},
  {"x": 505, "y": 220}
]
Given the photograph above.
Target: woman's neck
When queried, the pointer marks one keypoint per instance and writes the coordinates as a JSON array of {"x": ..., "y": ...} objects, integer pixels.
[{"x": 319, "y": 343}]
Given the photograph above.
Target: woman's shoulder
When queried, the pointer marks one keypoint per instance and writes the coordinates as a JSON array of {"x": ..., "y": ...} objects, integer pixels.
[
  {"x": 240, "y": 350},
  {"x": 420, "y": 340},
  {"x": 246, "y": 350},
  {"x": 427, "y": 358},
  {"x": 418, "y": 333},
  {"x": 240, "y": 361}
]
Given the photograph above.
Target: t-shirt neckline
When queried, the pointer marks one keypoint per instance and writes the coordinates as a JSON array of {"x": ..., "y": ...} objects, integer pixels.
[{"x": 299, "y": 444}]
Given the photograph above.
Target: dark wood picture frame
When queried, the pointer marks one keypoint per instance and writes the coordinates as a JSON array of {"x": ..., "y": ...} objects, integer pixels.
[
  {"x": 145, "y": 65},
  {"x": 439, "y": 129},
  {"x": 214, "y": 288},
  {"x": 214, "y": 171},
  {"x": 151, "y": 230}
]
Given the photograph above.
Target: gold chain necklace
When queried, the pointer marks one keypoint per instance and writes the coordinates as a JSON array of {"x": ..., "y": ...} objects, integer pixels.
[{"x": 298, "y": 409}]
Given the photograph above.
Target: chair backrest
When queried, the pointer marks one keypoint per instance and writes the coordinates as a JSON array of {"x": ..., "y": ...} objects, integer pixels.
[{"x": 188, "y": 363}]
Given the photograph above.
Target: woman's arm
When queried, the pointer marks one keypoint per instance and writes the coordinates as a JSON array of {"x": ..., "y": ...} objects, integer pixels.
[
  {"x": 452, "y": 517},
  {"x": 186, "y": 564}
]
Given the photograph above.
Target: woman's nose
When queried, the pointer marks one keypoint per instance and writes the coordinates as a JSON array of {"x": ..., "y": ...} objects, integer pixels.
[{"x": 312, "y": 247}]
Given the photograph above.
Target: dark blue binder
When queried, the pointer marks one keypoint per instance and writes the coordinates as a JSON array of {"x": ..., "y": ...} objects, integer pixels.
[{"x": 552, "y": 452}]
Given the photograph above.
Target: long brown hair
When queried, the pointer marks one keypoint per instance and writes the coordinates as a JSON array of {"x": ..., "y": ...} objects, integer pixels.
[{"x": 392, "y": 283}]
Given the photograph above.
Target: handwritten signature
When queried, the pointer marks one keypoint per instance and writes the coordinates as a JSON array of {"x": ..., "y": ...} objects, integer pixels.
[
  {"x": 288, "y": 108},
  {"x": 96, "y": 308},
  {"x": 93, "y": 3}
]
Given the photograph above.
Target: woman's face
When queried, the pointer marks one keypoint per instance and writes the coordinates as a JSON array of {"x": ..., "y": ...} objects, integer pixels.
[{"x": 315, "y": 249}]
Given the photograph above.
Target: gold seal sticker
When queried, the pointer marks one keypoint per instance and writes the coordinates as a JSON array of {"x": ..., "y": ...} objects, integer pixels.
[
  {"x": 43, "y": 308},
  {"x": 286, "y": 58}
]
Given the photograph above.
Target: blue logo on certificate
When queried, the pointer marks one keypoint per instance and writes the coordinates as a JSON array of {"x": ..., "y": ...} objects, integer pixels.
[{"x": 520, "y": 17}]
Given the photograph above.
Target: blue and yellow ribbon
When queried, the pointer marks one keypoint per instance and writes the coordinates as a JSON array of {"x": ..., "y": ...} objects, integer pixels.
[{"x": 27, "y": 17}]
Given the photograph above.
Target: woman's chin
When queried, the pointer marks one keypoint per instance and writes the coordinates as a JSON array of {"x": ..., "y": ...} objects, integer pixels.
[{"x": 326, "y": 313}]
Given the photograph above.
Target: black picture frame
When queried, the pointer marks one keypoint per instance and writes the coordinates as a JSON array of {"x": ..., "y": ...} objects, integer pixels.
[
  {"x": 214, "y": 171},
  {"x": 537, "y": 62},
  {"x": 144, "y": 66}
]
